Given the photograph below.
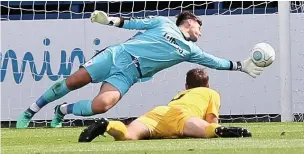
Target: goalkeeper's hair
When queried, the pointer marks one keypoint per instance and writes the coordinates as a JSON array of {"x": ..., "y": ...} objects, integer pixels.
[
  {"x": 197, "y": 77},
  {"x": 182, "y": 17}
]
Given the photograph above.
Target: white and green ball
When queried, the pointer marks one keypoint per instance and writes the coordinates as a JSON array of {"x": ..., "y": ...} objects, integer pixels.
[{"x": 263, "y": 54}]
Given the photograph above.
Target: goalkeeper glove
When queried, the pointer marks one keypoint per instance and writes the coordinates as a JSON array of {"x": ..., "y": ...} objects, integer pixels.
[
  {"x": 249, "y": 67},
  {"x": 102, "y": 18}
]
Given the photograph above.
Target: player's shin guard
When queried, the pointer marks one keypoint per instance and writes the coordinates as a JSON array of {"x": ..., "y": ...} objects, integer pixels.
[
  {"x": 210, "y": 130},
  {"x": 118, "y": 130},
  {"x": 81, "y": 108}
]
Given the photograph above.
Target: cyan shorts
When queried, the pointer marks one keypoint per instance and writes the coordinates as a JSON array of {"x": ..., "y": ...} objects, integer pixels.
[{"x": 115, "y": 66}]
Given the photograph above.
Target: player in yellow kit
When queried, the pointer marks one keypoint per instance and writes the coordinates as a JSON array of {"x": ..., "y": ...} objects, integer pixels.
[{"x": 191, "y": 113}]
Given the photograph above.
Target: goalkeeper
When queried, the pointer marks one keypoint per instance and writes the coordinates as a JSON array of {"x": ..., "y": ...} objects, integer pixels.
[
  {"x": 118, "y": 67},
  {"x": 191, "y": 113}
]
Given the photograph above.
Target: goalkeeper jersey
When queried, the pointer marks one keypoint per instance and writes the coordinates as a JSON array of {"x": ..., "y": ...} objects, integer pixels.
[{"x": 163, "y": 45}]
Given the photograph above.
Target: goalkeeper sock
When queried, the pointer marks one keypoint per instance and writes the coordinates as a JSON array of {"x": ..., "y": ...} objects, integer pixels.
[
  {"x": 118, "y": 130},
  {"x": 80, "y": 108},
  {"x": 210, "y": 129},
  {"x": 57, "y": 91}
]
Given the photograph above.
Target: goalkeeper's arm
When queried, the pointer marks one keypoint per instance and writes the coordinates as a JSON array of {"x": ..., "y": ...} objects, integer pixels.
[
  {"x": 127, "y": 23},
  {"x": 213, "y": 62}
]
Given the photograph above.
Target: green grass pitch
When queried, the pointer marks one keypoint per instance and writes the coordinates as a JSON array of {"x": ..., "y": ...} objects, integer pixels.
[{"x": 267, "y": 138}]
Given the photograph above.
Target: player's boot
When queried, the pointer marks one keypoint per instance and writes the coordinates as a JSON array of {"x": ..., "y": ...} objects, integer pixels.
[
  {"x": 232, "y": 132},
  {"x": 58, "y": 117},
  {"x": 99, "y": 127},
  {"x": 24, "y": 119},
  {"x": 246, "y": 133}
]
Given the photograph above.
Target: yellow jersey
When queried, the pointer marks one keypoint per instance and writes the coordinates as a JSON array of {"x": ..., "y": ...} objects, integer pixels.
[{"x": 198, "y": 102}]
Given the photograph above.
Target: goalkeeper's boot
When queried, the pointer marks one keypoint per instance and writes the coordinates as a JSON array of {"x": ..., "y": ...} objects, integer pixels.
[
  {"x": 24, "y": 119},
  {"x": 58, "y": 117},
  {"x": 227, "y": 132},
  {"x": 99, "y": 127}
]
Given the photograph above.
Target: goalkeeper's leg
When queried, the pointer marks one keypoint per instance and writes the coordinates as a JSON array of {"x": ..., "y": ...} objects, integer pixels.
[
  {"x": 58, "y": 90},
  {"x": 117, "y": 78}
]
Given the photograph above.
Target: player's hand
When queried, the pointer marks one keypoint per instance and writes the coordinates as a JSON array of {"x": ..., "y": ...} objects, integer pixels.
[
  {"x": 100, "y": 17},
  {"x": 250, "y": 68}
]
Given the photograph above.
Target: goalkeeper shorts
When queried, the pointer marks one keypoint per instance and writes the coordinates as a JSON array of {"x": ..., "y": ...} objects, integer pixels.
[
  {"x": 115, "y": 66},
  {"x": 165, "y": 122}
]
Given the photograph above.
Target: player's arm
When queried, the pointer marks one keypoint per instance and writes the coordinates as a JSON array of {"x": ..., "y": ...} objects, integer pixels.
[
  {"x": 127, "y": 23},
  {"x": 200, "y": 57},
  {"x": 212, "y": 112},
  {"x": 211, "y": 118}
]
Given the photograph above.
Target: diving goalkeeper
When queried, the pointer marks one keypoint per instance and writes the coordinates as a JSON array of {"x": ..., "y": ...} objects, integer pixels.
[
  {"x": 162, "y": 45},
  {"x": 191, "y": 113}
]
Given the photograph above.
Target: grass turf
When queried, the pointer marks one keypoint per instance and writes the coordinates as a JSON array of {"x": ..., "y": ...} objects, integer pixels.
[{"x": 267, "y": 138}]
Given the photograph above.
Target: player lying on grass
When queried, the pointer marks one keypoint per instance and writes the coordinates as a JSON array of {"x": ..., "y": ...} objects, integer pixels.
[
  {"x": 191, "y": 113},
  {"x": 118, "y": 67}
]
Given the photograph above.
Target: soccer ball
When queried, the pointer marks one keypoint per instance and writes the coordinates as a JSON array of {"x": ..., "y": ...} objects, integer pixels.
[{"x": 263, "y": 54}]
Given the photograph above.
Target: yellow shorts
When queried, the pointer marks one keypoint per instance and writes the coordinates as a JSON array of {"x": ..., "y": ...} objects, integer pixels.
[{"x": 165, "y": 122}]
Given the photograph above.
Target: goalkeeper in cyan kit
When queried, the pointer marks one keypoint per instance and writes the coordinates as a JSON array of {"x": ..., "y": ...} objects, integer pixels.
[
  {"x": 118, "y": 67},
  {"x": 191, "y": 113}
]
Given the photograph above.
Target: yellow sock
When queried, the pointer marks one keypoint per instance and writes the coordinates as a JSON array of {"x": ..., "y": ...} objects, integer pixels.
[
  {"x": 210, "y": 130},
  {"x": 117, "y": 129}
]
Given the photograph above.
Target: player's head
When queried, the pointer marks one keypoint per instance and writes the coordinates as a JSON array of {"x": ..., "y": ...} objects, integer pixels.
[
  {"x": 190, "y": 24},
  {"x": 197, "y": 77}
]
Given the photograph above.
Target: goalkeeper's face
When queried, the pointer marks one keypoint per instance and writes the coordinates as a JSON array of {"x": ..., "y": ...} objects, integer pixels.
[{"x": 194, "y": 31}]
